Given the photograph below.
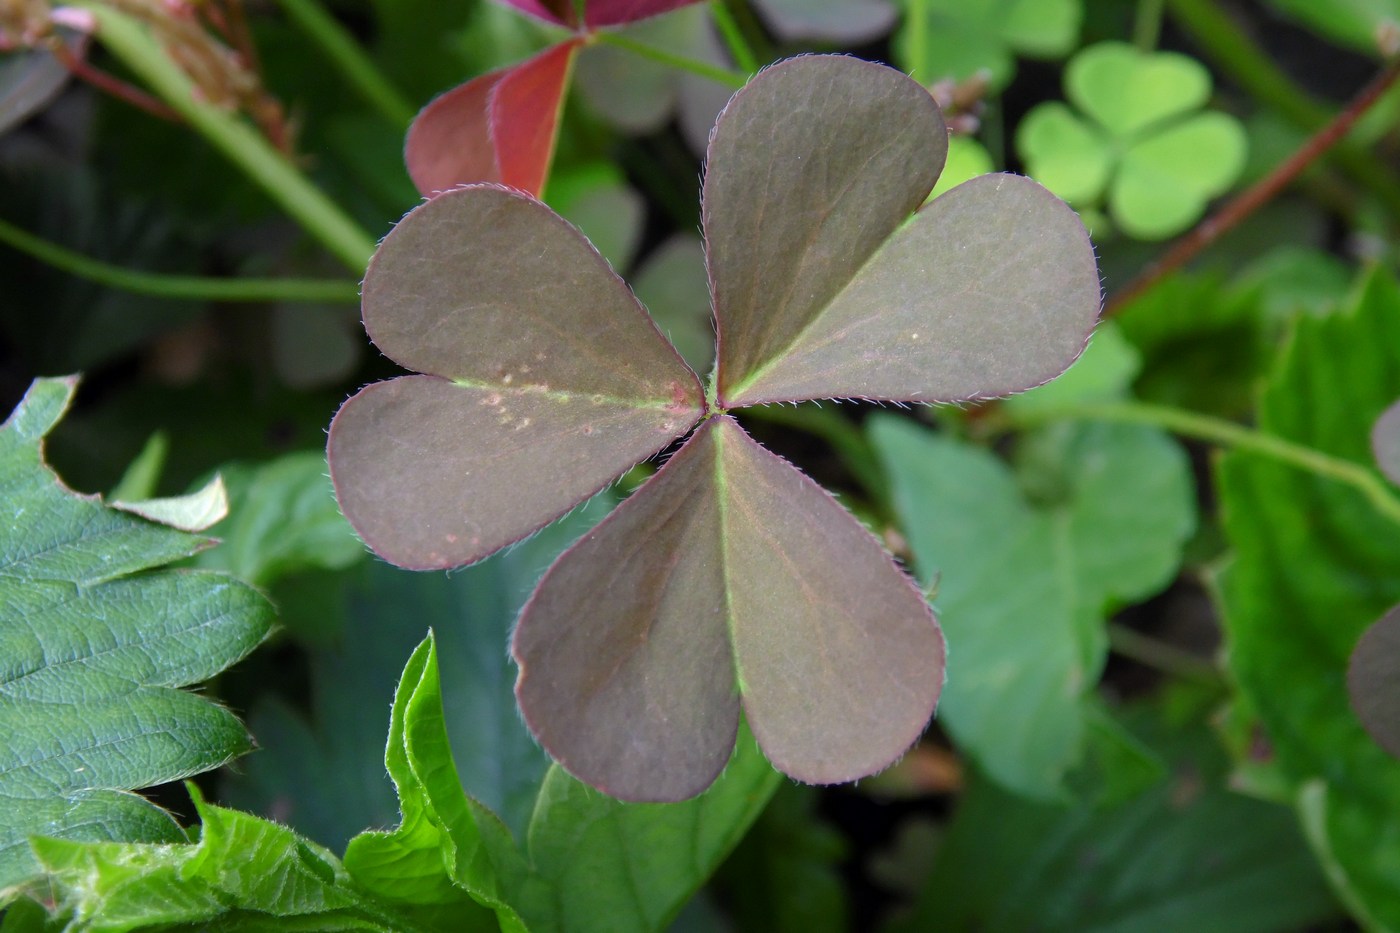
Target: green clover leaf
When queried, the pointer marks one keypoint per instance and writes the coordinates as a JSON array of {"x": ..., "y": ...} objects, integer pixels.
[
  {"x": 1136, "y": 139},
  {"x": 963, "y": 37}
]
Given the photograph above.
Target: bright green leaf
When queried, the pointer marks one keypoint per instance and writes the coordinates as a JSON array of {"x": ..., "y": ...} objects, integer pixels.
[
  {"x": 447, "y": 846},
  {"x": 1064, "y": 153},
  {"x": 197, "y": 511},
  {"x": 1128, "y": 90},
  {"x": 1313, "y": 553},
  {"x": 284, "y": 519},
  {"x": 93, "y": 642},
  {"x": 243, "y": 874},
  {"x": 1113, "y": 508},
  {"x": 1165, "y": 181}
]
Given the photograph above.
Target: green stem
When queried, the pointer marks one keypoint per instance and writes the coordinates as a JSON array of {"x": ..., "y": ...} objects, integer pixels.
[
  {"x": 349, "y": 57},
  {"x": 1161, "y": 656},
  {"x": 130, "y": 42},
  {"x": 1147, "y": 26},
  {"x": 1230, "y": 48},
  {"x": 683, "y": 62},
  {"x": 916, "y": 28},
  {"x": 177, "y": 286},
  {"x": 1228, "y": 434},
  {"x": 738, "y": 46}
]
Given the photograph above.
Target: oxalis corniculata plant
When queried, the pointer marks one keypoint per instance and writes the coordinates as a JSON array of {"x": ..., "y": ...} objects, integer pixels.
[{"x": 729, "y": 582}]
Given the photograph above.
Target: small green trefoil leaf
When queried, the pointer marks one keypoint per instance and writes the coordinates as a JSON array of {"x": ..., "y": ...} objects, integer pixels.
[{"x": 1137, "y": 140}]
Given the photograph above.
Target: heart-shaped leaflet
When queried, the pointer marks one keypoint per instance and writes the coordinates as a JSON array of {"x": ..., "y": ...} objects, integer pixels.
[{"x": 547, "y": 380}]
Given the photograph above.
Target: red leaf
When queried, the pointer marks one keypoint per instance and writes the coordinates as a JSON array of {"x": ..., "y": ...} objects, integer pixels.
[
  {"x": 616, "y": 12},
  {"x": 499, "y": 127},
  {"x": 551, "y": 11}
]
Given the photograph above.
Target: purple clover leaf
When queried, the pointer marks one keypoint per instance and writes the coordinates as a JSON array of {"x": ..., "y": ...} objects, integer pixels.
[{"x": 729, "y": 582}]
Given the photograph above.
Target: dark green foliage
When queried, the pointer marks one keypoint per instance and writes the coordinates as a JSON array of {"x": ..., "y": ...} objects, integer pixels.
[{"x": 94, "y": 641}]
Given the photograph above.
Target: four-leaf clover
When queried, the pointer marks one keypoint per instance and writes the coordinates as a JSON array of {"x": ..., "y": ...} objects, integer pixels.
[
  {"x": 729, "y": 582},
  {"x": 1144, "y": 145}
]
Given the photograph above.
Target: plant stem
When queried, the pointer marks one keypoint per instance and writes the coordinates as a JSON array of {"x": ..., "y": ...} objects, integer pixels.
[
  {"x": 348, "y": 56},
  {"x": 177, "y": 286},
  {"x": 1230, "y": 48},
  {"x": 1229, "y": 434},
  {"x": 916, "y": 28},
  {"x": 683, "y": 62},
  {"x": 1161, "y": 656},
  {"x": 734, "y": 39},
  {"x": 1258, "y": 194},
  {"x": 129, "y": 41},
  {"x": 1147, "y": 25}
]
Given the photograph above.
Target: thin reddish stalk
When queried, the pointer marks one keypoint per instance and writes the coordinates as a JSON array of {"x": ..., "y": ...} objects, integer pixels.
[
  {"x": 119, "y": 89},
  {"x": 1256, "y": 196}
]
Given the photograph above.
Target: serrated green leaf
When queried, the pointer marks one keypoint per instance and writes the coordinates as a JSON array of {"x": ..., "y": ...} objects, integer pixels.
[
  {"x": 1115, "y": 506},
  {"x": 728, "y": 577},
  {"x": 1315, "y": 553},
  {"x": 91, "y": 652},
  {"x": 244, "y": 873}
]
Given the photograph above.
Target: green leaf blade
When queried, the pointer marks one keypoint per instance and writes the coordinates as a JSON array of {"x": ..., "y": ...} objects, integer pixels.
[
  {"x": 1026, "y": 657},
  {"x": 624, "y": 866},
  {"x": 1316, "y": 553},
  {"x": 91, "y": 653}
]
